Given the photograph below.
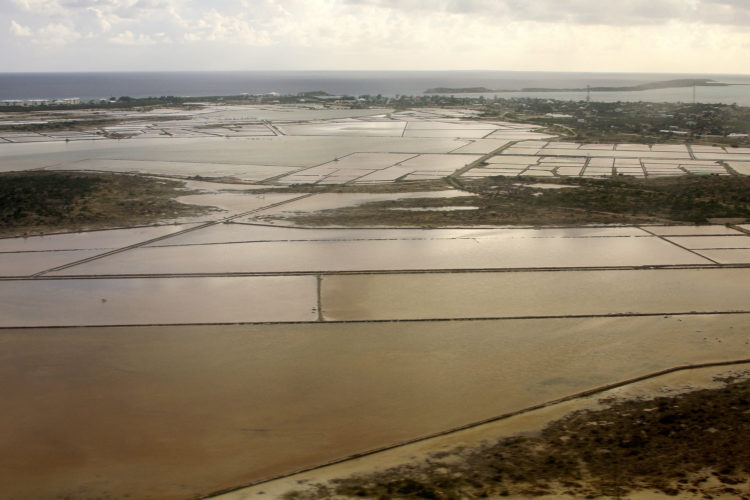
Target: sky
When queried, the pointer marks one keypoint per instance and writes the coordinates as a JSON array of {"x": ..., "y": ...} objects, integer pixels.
[{"x": 661, "y": 36}]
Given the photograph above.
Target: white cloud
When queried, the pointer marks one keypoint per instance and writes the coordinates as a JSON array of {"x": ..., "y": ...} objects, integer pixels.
[
  {"x": 56, "y": 34},
  {"x": 104, "y": 21},
  {"x": 18, "y": 30},
  {"x": 215, "y": 26},
  {"x": 129, "y": 38},
  {"x": 580, "y": 35},
  {"x": 41, "y": 7}
]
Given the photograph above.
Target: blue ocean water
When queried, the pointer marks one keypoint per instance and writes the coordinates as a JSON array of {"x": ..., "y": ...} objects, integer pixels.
[{"x": 387, "y": 83}]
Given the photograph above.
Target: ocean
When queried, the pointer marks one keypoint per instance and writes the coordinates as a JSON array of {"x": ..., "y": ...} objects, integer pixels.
[{"x": 387, "y": 83}]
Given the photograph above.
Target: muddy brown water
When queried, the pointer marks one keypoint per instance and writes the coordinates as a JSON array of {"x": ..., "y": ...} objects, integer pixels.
[
  {"x": 541, "y": 293},
  {"x": 147, "y": 301},
  {"x": 174, "y": 412}
]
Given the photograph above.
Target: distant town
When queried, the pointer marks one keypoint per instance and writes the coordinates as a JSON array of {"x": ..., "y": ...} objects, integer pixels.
[{"x": 69, "y": 101}]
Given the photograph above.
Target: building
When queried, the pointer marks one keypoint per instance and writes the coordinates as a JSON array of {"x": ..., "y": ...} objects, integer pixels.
[{"x": 38, "y": 102}]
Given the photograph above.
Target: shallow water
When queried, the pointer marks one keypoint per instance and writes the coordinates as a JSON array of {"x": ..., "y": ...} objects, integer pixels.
[
  {"x": 99, "y": 412},
  {"x": 740, "y": 167},
  {"x": 724, "y": 256},
  {"x": 29, "y": 263},
  {"x": 712, "y": 242},
  {"x": 482, "y": 146},
  {"x": 380, "y": 167},
  {"x": 252, "y": 173},
  {"x": 226, "y": 233},
  {"x": 108, "y": 239},
  {"x": 307, "y": 256},
  {"x": 435, "y": 209},
  {"x": 232, "y": 203},
  {"x": 368, "y": 128},
  {"x": 283, "y": 151},
  {"x": 457, "y": 133},
  {"x": 451, "y": 125},
  {"x": 512, "y": 294},
  {"x": 692, "y": 230},
  {"x": 442, "y": 163},
  {"x": 328, "y": 201},
  {"x": 157, "y": 301}
]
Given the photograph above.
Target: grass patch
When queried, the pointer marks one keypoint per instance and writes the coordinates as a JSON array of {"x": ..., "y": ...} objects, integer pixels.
[{"x": 39, "y": 202}]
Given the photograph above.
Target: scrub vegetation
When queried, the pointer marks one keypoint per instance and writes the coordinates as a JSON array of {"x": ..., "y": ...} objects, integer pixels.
[
  {"x": 638, "y": 122},
  {"x": 523, "y": 201},
  {"x": 695, "y": 444},
  {"x": 38, "y": 202}
]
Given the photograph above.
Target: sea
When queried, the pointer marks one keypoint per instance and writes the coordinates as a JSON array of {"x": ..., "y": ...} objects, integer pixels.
[{"x": 100, "y": 85}]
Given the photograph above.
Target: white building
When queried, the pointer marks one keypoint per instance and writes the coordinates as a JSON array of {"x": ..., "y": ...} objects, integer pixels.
[{"x": 38, "y": 102}]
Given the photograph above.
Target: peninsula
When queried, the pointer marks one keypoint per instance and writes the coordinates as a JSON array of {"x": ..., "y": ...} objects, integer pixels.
[{"x": 668, "y": 84}]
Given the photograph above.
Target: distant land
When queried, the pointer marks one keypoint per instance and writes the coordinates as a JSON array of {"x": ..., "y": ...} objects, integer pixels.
[{"x": 669, "y": 84}]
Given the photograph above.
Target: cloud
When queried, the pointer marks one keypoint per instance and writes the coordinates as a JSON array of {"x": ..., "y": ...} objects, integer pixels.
[
  {"x": 400, "y": 34},
  {"x": 129, "y": 38},
  {"x": 215, "y": 26},
  {"x": 580, "y": 12},
  {"x": 45, "y": 8},
  {"x": 18, "y": 30},
  {"x": 56, "y": 34}
]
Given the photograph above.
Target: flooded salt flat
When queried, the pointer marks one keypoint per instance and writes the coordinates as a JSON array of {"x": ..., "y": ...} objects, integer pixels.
[
  {"x": 482, "y": 146},
  {"x": 365, "y": 128},
  {"x": 522, "y": 161},
  {"x": 740, "y": 167},
  {"x": 288, "y": 113},
  {"x": 107, "y": 239},
  {"x": 105, "y": 411},
  {"x": 435, "y": 209},
  {"x": 458, "y": 133},
  {"x": 221, "y": 143},
  {"x": 284, "y": 151},
  {"x": 563, "y": 293},
  {"x": 727, "y": 256},
  {"x": 712, "y": 242},
  {"x": 235, "y": 202},
  {"x": 328, "y": 201},
  {"x": 29, "y": 263},
  {"x": 228, "y": 233},
  {"x": 252, "y": 173},
  {"x": 530, "y": 422},
  {"x": 142, "y": 301},
  {"x": 380, "y": 168},
  {"x": 450, "y": 125},
  {"x": 692, "y": 230},
  {"x": 443, "y": 163},
  {"x": 313, "y": 256}
]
